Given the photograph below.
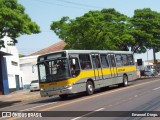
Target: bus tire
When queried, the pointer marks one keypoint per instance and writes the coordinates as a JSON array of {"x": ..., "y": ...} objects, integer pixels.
[
  {"x": 125, "y": 81},
  {"x": 64, "y": 96},
  {"x": 89, "y": 88}
]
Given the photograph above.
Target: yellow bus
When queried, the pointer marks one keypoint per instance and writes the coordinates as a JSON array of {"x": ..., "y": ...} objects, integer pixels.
[{"x": 72, "y": 71}]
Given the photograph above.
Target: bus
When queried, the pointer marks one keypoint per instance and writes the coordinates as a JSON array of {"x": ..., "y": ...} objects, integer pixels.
[{"x": 73, "y": 71}]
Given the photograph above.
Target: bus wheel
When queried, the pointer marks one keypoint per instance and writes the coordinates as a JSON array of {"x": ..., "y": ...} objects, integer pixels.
[
  {"x": 125, "y": 81},
  {"x": 89, "y": 88},
  {"x": 65, "y": 96}
]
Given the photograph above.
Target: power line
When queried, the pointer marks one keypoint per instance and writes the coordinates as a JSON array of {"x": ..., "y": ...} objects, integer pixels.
[
  {"x": 79, "y": 4},
  {"x": 56, "y": 4}
]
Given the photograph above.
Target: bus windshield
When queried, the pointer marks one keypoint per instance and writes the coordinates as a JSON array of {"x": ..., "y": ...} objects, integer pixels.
[{"x": 53, "y": 70}]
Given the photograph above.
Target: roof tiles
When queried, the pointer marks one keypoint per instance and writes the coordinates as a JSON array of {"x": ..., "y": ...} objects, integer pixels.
[{"x": 55, "y": 47}]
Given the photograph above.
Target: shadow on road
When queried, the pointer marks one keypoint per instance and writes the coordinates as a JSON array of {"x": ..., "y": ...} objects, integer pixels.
[
  {"x": 75, "y": 96},
  {"x": 7, "y": 103}
]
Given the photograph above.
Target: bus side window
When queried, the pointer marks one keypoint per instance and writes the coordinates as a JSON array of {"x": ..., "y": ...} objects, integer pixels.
[
  {"x": 96, "y": 61},
  {"x": 74, "y": 67},
  {"x": 85, "y": 61},
  {"x": 104, "y": 61},
  {"x": 112, "y": 60},
  {"x": 119, "y": 60},
  {"x": 125, "y": 60},
  {"x": 130, "y": 59}
]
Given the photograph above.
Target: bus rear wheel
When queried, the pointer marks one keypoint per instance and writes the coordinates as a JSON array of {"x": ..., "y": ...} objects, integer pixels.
[
  {"x": 89, "y": 88},
  {"x": 125, "y": 81}
]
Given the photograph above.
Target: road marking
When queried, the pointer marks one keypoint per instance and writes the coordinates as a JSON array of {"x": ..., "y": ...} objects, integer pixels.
[
  {"x": 98, "y": 95},
  {"x": 100, "y": 109},
  {"x": 156, "y": 88},
  {"x": 88, "y": 114},
  {"x": 37, "y": 106},
  {"x": 94, "y": 96}
]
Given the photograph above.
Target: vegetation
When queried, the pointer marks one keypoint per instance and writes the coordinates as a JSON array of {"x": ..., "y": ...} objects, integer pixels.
[
  {"x": 14, "y": 22},
  {"x": 20, "y": 55},
  {"x": 111, "y": 30}
]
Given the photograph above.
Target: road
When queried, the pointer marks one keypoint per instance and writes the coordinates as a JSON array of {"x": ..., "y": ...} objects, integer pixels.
[{"x": 140, "y": 95}]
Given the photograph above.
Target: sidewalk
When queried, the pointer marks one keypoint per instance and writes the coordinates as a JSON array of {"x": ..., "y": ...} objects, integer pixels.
[
  {"x": 20, "y": 95},
  {"x": 17, "y": 97}
]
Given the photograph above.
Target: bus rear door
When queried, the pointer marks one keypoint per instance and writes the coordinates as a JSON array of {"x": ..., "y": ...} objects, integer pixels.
[{"x": 113, "y": 68}]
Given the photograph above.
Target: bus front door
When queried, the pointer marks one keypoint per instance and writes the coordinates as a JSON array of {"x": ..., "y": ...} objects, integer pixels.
[{"x": 97, "y": 69}]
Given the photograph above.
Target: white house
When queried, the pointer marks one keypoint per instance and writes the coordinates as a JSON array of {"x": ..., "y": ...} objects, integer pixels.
[
  {"x": 12, "y": 64},
  {"x": 26, "y": 66},
  {"x": 27, "y": 63}
]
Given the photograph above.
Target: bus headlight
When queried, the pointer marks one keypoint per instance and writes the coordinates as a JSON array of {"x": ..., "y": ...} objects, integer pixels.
[{"x": 68, "y": 86}]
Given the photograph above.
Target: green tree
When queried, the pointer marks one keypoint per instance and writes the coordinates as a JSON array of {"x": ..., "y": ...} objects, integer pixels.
[
  {"x": 105, "y": 29},
  {"x": 14, "y": 21},
  {"x": 146, "y": 29},
  {"x": 21, "y": 55}
]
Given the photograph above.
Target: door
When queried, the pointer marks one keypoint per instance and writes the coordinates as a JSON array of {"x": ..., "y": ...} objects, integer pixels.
[
  {"x": 97, "y": 67},
  {"x": 17, "y": 82},
  {"x": 112, "y": 63},
  {"x": 1, "y": 88}
]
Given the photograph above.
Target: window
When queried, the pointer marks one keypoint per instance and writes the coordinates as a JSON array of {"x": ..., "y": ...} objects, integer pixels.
[
  {"x": 119, "y": 60},
  {"x": 85, "y": 61},
  {"x": 96, "y": 61},
  {"x": 14, "y": 63},
  {"x": 125, "y": 60},
  {"x": 130, "y": 59},
  {"x": 74, "y": 67},
  {"x": 104, "y": 61},
  {"x": 112, "y": 60}
]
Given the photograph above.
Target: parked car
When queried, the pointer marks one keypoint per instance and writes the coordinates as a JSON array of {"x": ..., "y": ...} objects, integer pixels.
[{"x": 34, "y": 85}]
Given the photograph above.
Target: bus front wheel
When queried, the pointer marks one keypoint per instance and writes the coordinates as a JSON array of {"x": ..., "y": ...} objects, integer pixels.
[{"x": 89, "y": 88}]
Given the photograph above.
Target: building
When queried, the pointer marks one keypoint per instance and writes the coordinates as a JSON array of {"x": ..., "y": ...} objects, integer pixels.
[
  {"x": 11, "y": 79},
  {"x": 4, "y": 88},
  {"x": 28, "y": 64}
]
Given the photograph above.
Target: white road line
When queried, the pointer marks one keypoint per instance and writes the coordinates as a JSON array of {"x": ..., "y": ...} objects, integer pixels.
[
  {"x": 88, "y": 114},
  {"x": 37, "y": 106},
  {"x": 156, "y": 88},
  {"x": 100, "y": 109}
]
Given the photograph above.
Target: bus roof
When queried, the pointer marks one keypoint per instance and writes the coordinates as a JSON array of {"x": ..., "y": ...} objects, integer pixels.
[{"x": 90, "y": 51}]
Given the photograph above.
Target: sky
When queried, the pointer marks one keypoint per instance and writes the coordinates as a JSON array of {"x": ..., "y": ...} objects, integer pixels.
[{"x": 44, "y": 12}]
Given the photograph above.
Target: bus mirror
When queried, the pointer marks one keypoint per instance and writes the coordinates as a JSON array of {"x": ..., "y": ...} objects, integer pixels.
[
  {"x": 33, "y": 68},
  {"x": 73, "y": 61}
]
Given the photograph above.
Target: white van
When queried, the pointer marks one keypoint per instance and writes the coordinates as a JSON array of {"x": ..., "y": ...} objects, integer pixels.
[{"x": 34, "y": 85}]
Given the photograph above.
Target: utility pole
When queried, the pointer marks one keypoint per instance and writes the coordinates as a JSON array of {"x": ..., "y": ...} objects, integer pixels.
[
  {"x": 147, "y": 57},
  {"x": 154, "y": 56}
]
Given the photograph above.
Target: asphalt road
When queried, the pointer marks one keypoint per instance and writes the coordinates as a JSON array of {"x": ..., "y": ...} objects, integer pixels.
[{"x": 140, "y": 95}]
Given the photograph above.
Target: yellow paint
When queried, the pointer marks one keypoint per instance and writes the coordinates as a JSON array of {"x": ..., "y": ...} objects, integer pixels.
[{"x": 88, "y": 74}]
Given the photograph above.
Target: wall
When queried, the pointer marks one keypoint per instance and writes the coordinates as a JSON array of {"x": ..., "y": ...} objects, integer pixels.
[
  {"x": 26, "y": 66},
  {"x": 14, "y": 74}
]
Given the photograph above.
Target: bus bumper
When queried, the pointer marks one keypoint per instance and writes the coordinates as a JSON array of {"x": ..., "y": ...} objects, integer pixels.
[{"x": 45, "y": 93}]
